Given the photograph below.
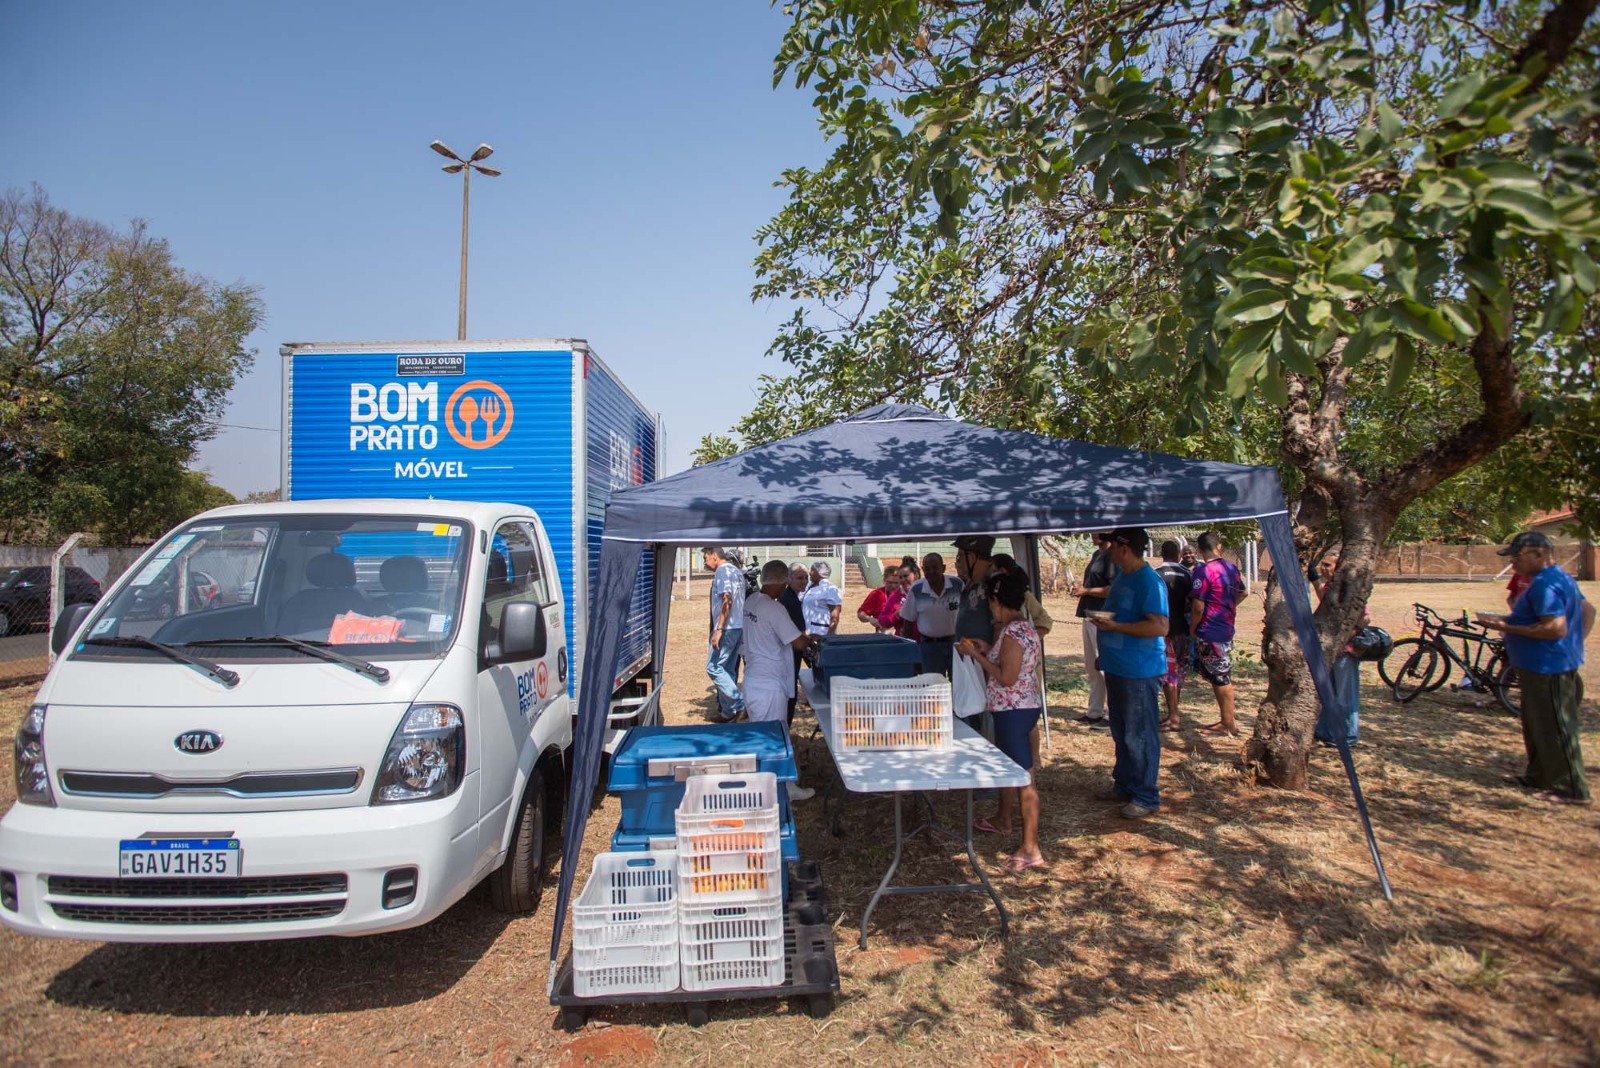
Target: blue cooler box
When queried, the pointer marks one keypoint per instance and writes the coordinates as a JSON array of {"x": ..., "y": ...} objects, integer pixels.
[
  {"x": 644, "y": 769},
  {"x": 868, "y": 656}
]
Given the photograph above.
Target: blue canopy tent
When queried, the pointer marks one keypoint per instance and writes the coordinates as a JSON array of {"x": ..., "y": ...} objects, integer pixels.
[{"x": 944, "y": 478}]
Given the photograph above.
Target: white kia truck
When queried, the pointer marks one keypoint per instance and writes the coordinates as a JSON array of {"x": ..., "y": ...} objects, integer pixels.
[{"x": 369, "y": 719}]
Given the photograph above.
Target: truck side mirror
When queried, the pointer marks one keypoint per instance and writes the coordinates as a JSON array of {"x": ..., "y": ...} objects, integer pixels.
[
  {"x": 67, "y": 624},
  {"x": 523, "y": 634}
]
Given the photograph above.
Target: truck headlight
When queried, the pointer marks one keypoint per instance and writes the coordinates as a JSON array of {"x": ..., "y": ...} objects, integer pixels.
[
  {"x": 426, "y": 759},
  {"x": 33, "y": 779}
]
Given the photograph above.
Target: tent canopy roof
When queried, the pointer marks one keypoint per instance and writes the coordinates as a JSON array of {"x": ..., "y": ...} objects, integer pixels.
[{"x": 902, "y": 470}]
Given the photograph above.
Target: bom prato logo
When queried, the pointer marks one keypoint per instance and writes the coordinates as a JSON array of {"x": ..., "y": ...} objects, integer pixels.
[{"x": 477, "y": 402}]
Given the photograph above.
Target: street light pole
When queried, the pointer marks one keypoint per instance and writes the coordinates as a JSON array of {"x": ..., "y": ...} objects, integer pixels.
[{"x": 465, "y": 167}]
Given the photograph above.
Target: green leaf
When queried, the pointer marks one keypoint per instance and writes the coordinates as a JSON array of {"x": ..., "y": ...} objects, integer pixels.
[
  {"x": 1273, "y": 387},
  {"x": 1530, "y": 207},
  {"x": 1511, "y": 174},
  {"x": 1460, "y": 95},
  {"x": 1400, "y": 368},
  {"x": 1244, "y": 341},
  {"x": 1461, "y": 318},
  {"x": 1134, "y": 171},
  {"x": 1422, "y": 322},
  {"x": 1389, "y": 124},
  {"x": 1252, "y": 307},
  {"x": 1583, "y": 271},
  {"x": 1243, "y": 371},
  {"x": 1357, "y": 348}
]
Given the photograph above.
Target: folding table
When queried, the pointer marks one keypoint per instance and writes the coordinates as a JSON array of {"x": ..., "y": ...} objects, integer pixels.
[{"x": 971, "y": 763}]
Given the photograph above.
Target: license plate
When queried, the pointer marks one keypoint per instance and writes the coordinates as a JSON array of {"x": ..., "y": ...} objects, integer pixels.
[{"x": 179, "y": 858}]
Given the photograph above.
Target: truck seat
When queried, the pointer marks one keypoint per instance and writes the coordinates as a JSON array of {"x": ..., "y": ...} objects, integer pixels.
[
  {"x": 333, "y": 590},
  {"x": 405, "y": 583}
]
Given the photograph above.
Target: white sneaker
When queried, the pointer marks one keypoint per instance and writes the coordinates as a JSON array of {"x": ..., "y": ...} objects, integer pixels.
[{"x": 800, "y": 793}]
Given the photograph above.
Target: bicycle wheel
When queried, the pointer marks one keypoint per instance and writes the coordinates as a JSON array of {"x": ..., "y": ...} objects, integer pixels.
[
  {"x": 1417, "y": 674},
  {"x": 1389, "y": 667},
  {"x": 1506, "y": 688}
]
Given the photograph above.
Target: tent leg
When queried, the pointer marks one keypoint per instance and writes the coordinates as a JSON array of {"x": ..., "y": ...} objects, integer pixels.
[{"x": 1366, "y": 818}]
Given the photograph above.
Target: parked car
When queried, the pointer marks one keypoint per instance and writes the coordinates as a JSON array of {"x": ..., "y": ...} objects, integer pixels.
[
  {"x": 25, "y": 595},
  {"x": 159, "y": 599}
]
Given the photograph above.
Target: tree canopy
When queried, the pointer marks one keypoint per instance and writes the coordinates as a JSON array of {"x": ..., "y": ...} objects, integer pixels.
[
  {"x": 114, "y": 366},
  {"x": 1357, "y": 239},
  {"x": 1030, "y": 200}
]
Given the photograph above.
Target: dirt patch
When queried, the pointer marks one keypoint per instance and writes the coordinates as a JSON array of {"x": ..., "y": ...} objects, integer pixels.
[
  {"x": 610, "y": 1045},
  {"x": 1239, "y": 926}
]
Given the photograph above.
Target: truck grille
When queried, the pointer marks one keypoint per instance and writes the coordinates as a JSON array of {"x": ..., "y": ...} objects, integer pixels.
[
  {"x": 179, "y": 915},
  {"x": 261, "y": 886},
  {"x": 248, "y": 784}
]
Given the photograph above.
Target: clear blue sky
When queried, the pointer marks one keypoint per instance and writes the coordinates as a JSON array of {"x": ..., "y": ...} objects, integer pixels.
[{"x": 286, "y": 145}]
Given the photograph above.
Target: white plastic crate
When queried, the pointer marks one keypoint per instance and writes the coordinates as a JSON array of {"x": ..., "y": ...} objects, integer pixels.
[
  {"x": 731, "y": 974},
  {"x": 729, "y": 845},
  {"x": 892, "y": 713},
  {"x": 625, "y": 926},
  {"x": 729, "y": 932},
  {"x": 727, "y": 946}
]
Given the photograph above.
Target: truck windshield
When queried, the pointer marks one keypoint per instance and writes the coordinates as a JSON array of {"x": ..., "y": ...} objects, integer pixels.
[{"x": 373, "y": 587}]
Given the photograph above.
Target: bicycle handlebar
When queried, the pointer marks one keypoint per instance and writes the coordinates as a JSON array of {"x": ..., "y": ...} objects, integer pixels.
[{"x": 1426, "y": 615}]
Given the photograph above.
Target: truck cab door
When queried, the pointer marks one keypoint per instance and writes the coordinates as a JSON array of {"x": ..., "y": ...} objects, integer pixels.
[{"x": 514, "y": 691}]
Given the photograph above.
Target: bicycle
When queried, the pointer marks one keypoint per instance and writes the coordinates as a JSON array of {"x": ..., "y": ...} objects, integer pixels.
[{"x": 1426, "y": 662}]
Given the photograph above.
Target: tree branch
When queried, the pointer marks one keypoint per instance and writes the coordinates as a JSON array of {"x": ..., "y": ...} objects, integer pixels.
[{"x": 1554, "y": 40}]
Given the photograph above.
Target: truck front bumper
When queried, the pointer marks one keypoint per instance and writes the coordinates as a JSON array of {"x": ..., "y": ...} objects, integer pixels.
[{"x": 306, "y": 873}]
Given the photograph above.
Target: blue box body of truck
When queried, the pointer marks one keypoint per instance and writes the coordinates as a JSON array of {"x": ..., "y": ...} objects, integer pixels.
[{"x": 537, "y": 422}]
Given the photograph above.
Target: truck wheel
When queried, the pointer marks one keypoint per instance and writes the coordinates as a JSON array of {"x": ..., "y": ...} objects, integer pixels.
[
  {"x": 516, "y": 885},
  {"x": 5, "y": 622}
]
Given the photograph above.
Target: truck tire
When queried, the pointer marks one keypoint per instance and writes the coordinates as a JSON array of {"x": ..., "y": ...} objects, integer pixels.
[
  {"x": 5, "y": 622},
  {"x": 515, "y": 886}
]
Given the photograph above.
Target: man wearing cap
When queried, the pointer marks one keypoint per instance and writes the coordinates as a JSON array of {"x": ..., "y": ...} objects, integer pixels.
[
  {"x": 1134, "y": 659},
  {"x": 974, "y": 621},
  {"x": 1544, "y": 641},
  {"x": 932, "y": 603}
]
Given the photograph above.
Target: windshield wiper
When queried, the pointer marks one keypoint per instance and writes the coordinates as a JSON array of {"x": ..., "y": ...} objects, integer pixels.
[
  {"x": 216, "y": 671},
  {"x": 322, "y": 650}
]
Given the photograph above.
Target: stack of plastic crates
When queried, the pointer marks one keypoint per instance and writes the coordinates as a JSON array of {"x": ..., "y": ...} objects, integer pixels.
[
  {"x": 730, "y": 882},
  {"x": 625, "y": 926},
  {"x": 892, "y": 713}
]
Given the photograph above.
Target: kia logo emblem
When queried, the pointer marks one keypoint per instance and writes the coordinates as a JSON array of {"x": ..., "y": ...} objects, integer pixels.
[{"x": 198, "y": 741}]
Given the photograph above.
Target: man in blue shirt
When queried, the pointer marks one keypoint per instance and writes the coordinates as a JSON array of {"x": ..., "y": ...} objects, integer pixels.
[
  {"x": 1544, "y": 641},
  {"x": 727, "y": 631},
  {"x": 1134, "y": 659}
]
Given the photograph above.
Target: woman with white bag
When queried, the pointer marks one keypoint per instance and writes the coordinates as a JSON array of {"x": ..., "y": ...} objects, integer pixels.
[{"x": 1010, "y": 666}]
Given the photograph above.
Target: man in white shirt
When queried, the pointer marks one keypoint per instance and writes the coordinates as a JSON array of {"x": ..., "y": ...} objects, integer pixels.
[
  {"x": 821, "y": 602},
  {"x": 770, "y": 640},
  {"x": 932, "y": 603}
]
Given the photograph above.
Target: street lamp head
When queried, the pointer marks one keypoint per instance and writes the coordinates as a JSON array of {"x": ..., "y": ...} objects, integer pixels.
[
  {"x": 444, "y": 150},
  {"x": 487, "y": 171},
  {"x": 481, "y": 152},
  {"x": 454, "y": 168}
]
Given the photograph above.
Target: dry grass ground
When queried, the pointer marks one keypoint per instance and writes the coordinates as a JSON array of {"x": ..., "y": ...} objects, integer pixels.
[{"x": 1241, "y": 925}]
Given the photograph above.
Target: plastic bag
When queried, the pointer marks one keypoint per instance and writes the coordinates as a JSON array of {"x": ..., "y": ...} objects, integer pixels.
[{"x": 968, "y": 690}]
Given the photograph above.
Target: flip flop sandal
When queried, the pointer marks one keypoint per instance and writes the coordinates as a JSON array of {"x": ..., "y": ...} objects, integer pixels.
[
  {"x": 1551, "y": 797},
  {"x": 982, "y": 824},
  {"x": 1216, "y": 731},
  {"x": 1169, "y": 729},
  {"x": 1022, "y": 864}
]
